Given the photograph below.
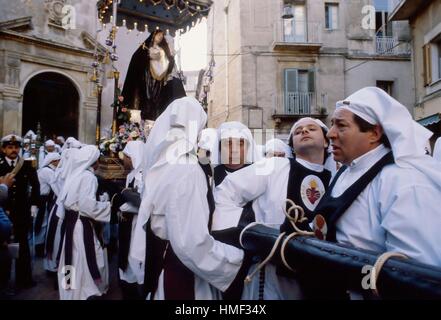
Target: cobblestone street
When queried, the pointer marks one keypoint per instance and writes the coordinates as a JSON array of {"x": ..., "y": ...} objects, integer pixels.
[{"x": 45, "y": 284}]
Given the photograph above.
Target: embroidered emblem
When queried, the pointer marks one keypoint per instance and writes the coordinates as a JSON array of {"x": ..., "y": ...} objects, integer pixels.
[
  {"x": 311, "y": 191},
  {"x": 319, "y": 226}
]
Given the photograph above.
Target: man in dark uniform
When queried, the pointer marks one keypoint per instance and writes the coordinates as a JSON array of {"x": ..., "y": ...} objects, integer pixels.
[{"x": 23, "y": 193}]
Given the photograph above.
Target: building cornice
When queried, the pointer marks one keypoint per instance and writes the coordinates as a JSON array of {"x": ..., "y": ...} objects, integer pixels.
[
  {"x": 24, "y": 23},
  {"x": 378, "y": 57},
  {"x": 17, "y": 36},
  {"x": 49, "y": 61},
  {"x": 407, "y": 9}
]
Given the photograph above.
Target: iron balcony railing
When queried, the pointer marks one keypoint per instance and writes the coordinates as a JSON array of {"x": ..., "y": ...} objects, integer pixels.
[
  {"x": 300, "y": 103},
  {"x": 391, "y": 46},
  {"x": 291, "y": 31}
]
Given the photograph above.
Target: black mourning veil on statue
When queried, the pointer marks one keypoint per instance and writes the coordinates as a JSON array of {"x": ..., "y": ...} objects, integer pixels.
[{"x": 151, "y": 83}]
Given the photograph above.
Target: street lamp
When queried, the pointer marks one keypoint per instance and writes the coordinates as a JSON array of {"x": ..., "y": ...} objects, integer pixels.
[{"x": 287, "y": 11}]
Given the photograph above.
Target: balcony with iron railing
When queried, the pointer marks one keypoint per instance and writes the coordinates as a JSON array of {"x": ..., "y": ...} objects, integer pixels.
[
  {"x": 389, "y": 46},
  {"x": 290, "y": 35},
  {"x": 294, "y": 105},
  {"x": 299, "y": 102}
]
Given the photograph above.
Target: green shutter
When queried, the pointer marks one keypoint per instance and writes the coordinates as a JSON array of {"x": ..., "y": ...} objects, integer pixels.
[
  {"x": 311, "y": 80},
  {"x": 291, "y": 86},
  {"x": 291, "y": 80}
]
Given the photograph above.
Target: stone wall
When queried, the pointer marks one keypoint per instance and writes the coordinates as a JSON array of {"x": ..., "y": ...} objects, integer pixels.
[
  {"x": 42, "y": 47},
  {"x": 256, "y": 78},
  {"x": 425, "y": 26}
]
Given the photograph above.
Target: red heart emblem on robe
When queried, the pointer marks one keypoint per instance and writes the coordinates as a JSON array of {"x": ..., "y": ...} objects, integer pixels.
[{"x": 313, "y": 195}]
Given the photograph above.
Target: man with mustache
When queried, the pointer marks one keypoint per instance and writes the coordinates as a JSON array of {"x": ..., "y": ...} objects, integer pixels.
[
  {"x": 382, "y": 199},
  {"x": 18, "y": 204}
]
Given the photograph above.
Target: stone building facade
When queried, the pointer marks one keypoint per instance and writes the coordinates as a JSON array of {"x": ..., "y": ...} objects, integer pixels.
[
  {"x": 425, "y": 23},
  {"x": 42, "y": 62},
  {"x": 270, "y": 71}
]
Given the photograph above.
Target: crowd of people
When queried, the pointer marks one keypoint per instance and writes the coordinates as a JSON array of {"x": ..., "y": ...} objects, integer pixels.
[{"x": 192, "y": 190}]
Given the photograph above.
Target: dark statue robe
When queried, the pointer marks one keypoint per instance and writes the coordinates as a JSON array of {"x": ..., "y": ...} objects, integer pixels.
[{"x": 142, "y": 92}]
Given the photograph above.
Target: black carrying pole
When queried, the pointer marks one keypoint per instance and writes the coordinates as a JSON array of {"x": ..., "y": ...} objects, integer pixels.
[{"x": 323, "y": 264}]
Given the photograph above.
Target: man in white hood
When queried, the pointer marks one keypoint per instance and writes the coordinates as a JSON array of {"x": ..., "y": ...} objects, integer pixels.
[
  {"x": 183, "y": 260},
  {"x": 83, "y": 271},
  {"x": 207, "y": 143},
  {"x": 49, "y": 147},
  {"x": 26, "y": 149},
  {"x": 235, "y": 150},
  {"x": 383, "y": 198},
  {"x": 46, "y": 179},
  {"x": 267, "y": 185},
  {"x": 277, "y": 148},
  {"x": 59, "y": 143},
  {"x": 53, "y": 236},
  {"x": 71, "y": 142}
]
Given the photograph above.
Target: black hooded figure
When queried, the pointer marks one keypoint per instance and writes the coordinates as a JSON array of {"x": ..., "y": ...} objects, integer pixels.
[{"x": 150, "y": 85}]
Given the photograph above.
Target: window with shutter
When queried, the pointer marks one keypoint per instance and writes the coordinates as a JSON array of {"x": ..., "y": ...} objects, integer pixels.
[
  {"x": 386, "y": 86},
  {"x": 331, "y": 16},
  {"x": 291, "y": 89},
  {"x": 291, "y": 80},
  {"x": 311, "y": 80},
  {"x": 303, "y": 81},
  {"x": 435, "y": 49},
  {"x": 299, "y": 90},
  {"x": 427, "y": 65},
  {"x": 439, "y": 59},
  {"x": 295, "y": 28},
  {"x": 383, "y": 25}
]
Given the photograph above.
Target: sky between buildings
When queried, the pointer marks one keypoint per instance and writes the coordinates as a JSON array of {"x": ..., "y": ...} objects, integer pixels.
[{"x": 194, "y": 47}]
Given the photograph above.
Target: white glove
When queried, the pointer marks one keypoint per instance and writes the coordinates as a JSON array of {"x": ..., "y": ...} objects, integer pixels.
[
  {"x": 34, "y": 211},
  {"x": 104, "y": 197}
]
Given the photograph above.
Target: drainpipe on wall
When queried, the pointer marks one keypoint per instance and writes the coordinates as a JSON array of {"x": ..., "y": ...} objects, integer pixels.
[
  {"x": 227, "y": 64},
  {"x": 415, "y": 89}
]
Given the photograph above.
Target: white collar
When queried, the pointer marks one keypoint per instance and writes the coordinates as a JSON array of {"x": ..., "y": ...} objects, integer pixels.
[
  {"x": 10, "y": 160},
  {"x": 309, "y": 165},
  {"x": 368, "y": 159}
]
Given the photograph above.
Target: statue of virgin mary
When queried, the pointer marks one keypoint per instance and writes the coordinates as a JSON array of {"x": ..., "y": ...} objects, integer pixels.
[{"x": 152, "y": 81}]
